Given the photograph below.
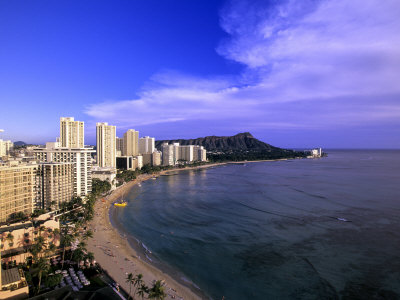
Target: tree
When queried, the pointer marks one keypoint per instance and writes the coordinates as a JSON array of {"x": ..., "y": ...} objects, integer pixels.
[
  {"x": 138, "y": 281},
  {"x": 142, "y": 290},
  {"x": 157, "y": 291},
  {"x": 53, "y": 280},
  {"x": 100, "y": 187},
  {"x": 43, "y": 267},
  {"x": 56, "y": 234},
  {"x": 51, "y": 249},
  {"x": 88, "y": 234},
  {"x": 66, "y": 242},
  {"x": 130, "y": 280},
  {"x": 10, "y": 239}
]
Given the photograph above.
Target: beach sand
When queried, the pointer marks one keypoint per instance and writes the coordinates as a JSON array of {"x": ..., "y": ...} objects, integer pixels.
[{"x": 118, "y": 258}]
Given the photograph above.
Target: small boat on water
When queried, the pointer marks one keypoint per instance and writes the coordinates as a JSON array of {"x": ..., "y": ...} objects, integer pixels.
[{"x": 121, "y": 202}]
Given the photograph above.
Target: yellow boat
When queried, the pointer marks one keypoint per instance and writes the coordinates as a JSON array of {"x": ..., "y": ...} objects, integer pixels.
[{"x": 121, "y": 202}]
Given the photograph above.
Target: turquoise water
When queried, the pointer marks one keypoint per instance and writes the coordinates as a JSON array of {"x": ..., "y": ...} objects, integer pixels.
[{"x": 301, "y": 229}]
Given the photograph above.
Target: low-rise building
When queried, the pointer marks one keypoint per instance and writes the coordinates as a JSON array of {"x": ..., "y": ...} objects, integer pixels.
[
  {"x": 105, "y": 174},
  {"x": 17, "y": 238},
  {"x": 13, "y": 284}
]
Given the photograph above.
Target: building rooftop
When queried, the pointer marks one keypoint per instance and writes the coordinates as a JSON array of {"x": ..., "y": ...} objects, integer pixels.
[{"x": 10, "y": 276}]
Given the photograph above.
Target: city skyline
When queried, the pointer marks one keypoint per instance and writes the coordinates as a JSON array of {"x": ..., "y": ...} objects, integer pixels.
[{"x": 315, "y": 73}]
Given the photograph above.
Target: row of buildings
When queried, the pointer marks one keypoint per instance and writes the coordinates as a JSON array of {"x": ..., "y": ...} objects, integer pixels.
[
  {"x": 46, "y": 176},
  {"x": 131, "y": 151}
]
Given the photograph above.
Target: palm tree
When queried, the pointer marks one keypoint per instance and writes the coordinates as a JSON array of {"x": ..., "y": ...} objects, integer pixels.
[
  {"x": 130, "y": 280},
  {"x": 51, "y": 249},
  {"x": 138, "y": 281},
  {"x": 10, "y": 239},
  {"x": 41, "y": 228},
  {"x": 43, "y": 266},
  {"x": 143, "y": 289},
  {"x": 56, "y": 234},
  {"x": 88, "y": 234},
  {"x": 66, "y": 241},
  {"x": 157, "y": 291}
]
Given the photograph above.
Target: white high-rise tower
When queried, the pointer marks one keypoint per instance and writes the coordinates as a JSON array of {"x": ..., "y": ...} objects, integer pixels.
[
  {"x": 131, "y": 143},
  {"x": 106, "y": 145},
  {"x": 72, "y": 133}
]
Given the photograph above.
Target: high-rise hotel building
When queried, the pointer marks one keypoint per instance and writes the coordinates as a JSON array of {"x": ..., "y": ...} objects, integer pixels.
[
  {"x": 70, "y": 149},
  {"x": 131, "y": 143},
  {"x": 17, "y": 189},
  {"x": 81, "y": 163},
  {"x": 72, "y": 133},
  {"x": 120, "y": 146},
  {"x": 173, "y": 154},
  {"x": 55, "y": 184},
  {"x": 5, "y": 147},
  {"x": 146, "y": 145},
  {"x": 106, "y": 145}
]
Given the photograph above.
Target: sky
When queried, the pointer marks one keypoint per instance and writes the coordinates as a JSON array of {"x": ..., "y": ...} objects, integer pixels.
[{"x": 296, "y": 74}]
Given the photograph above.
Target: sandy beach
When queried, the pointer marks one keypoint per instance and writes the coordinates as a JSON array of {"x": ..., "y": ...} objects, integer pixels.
[{"x": 118, "y": 258}]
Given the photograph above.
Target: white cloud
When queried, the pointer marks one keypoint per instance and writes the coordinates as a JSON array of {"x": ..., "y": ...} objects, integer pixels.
[{"x": 327, "y": 53}]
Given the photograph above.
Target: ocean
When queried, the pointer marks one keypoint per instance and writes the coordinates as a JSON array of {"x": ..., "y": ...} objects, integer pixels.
[{"x": 324, "y": 228}]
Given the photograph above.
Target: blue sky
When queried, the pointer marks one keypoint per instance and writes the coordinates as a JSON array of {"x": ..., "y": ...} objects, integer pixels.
[{"x": 293, "y": 73}]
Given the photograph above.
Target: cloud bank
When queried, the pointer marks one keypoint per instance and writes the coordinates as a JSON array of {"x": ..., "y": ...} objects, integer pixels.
[{"x": 306, "y": 64}]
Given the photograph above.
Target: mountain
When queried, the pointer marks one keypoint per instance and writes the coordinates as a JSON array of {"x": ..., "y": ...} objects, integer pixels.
[
  {"x": 19, "y": 143},
  {"x": 242, "y": 146},
  {"x": 242, "y": 141}
]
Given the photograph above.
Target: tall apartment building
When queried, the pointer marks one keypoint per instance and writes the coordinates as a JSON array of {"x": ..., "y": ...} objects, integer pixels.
[
  {"x": 120, "y": 146},
  {"x": 147, "y": 159},
  {"x": 167, "y": 154},
  {"x": 55, "y": 184},
  {"x": 80, "y": 159},
  {"x": 106, "y": 145},
  {"x": 156, "y": 158},
  {"x": 199, "y": 153},
  {"x": 146, "y": 145},
  {"x": 131, "y": 143},
  {"x": 186, "y": 153},
  {"x": 152, "y": 159},
  {"x": 176, "y": 152},
  {"x": 5, "y": 147},
  {"x": 17, "y": 189},
  {"x": 72, "y": 133}
]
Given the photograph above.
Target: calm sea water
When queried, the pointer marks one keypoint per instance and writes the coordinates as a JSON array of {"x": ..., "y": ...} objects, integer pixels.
[{"x": 301, "y": 229}]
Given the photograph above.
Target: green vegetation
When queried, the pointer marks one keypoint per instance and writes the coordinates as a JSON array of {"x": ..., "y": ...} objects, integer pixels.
[
  {"x": 126, "y": 176},
  {"x": 156, "y": 291},
  {"x": 100, "y": 187},
  {"x": 253, "y": 155}
]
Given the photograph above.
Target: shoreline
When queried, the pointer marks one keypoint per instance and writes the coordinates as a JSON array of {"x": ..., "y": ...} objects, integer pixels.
[{"x": 118, "y": 257}]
